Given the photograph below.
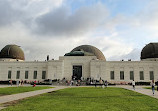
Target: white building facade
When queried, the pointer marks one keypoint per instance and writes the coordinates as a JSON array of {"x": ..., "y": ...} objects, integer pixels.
[{"x": 79, "y": 67}]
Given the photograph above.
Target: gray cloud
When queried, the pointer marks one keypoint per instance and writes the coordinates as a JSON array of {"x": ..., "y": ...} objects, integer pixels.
[
  {"x": 43, "y": 18},
  {"x": 8, "y": 14},
  {"x": 62, "y": 21},
  {"x": 134, "y": 55},
  {"x": 24, "y": 11}
]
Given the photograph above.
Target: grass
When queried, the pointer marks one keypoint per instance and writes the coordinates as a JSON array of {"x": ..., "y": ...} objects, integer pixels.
[
  {"x": 15, "y": 90},
  {"x": 87, "y": 99}
]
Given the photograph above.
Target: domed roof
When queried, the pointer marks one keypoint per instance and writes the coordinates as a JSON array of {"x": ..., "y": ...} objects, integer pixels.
[
  {"x": 150, "y": 51},
  {"x": 89, "y": 51},
  {"x": 13, "y": 52}
]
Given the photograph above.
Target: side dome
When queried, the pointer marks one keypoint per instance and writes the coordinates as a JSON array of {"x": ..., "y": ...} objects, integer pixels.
[
  {"x": 89, "y": 51},
  {"x": 12, "y": 52},
  {"x": 150, "y": 51}
]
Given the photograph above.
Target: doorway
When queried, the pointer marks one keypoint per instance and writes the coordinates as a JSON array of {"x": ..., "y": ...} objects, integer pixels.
[{"x": 77, "y": 72}]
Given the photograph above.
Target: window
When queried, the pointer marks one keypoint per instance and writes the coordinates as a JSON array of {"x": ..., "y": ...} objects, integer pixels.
[
  {"x": 141, "y": 75},
  {"x": 131, "y": 75},
  {"x": 9, "y": 74},
  {"x": 121, "y": 75},
  {"x": 151, "y": 75},
  {"x": 43, "y": 74},
  {"x": 18, "y": 75},
  {"x": 112, "y": 75},
  {"x": 35, "y": 75},
  {"x": 26, "y": 74}
]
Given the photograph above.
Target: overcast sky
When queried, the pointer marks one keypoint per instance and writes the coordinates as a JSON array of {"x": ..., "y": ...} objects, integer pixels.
[{"x": 119, "y": 28}]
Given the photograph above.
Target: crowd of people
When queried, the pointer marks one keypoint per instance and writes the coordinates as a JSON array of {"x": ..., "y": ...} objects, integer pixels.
[
  {"x": 22, "y": 82},
  {"x": 88, "y": 81},
  {"x": 83, "y": 82}
]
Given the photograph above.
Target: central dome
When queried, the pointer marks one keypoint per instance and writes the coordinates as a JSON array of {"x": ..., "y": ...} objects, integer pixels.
[
  {"x": 89, "y": 51},
  {"x": 12, "y": 52}
]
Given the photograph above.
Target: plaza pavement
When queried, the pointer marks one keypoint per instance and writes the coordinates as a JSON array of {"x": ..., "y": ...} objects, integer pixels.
[{"x": 13, "y": 97}]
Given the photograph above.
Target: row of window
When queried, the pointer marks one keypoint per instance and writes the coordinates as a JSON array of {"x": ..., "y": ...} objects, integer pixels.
[
  {"x": 141, "y": 75},
  {"x": 27, "y": 74}
]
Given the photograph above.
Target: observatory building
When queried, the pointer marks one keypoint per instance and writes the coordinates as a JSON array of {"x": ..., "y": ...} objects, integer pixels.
[{"x": 84, "y": 61}]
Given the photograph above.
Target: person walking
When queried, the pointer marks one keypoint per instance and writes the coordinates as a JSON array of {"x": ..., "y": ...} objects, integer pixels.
[
  {"x": 153, "y": 87},
  {"x": 133, "y": 84}
]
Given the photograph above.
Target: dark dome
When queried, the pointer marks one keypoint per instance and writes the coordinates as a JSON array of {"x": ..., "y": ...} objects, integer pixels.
[
  {"x": 150, "y": 51},
  {"x": 89, "y": 51},
  {"x": 13, "y": 52}
]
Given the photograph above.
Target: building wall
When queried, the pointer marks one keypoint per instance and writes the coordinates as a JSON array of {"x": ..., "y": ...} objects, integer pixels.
[
  {"x": 55, "y": 69},
  {"x": 70, "y": 61},
  {"x": 22, "y": 67},
  {"x": 96, "y": 69},
  {"x": 102, "y": 69}
]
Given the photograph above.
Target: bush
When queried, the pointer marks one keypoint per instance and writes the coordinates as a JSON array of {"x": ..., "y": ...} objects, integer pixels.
[
  {"x": 41, "y": 83},
  {"x": 111, "y": 84},
  {"x": 142, "y": 83},
  {"x": 7, "y": 82}
]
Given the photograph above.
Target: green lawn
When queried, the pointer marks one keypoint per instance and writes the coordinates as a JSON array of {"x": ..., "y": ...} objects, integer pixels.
[
  {"x": 14, "y": 90},
  {"x": 88, "y": 99}
]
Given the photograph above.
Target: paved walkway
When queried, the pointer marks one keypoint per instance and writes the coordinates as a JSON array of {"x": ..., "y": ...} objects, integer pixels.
[
  {"x": 141, "y": 90},
  {"x": 13, "y": 97}
]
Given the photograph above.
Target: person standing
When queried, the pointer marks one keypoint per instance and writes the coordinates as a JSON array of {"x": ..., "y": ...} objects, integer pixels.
[
  {"x": 133, "y": 84},
  {"x": 101, "y": 82},
  {"x": 11, "y": 83},
  {"x": 106, "y": 83},
  {"x": 95, "y": 83},
  {"x": 153, "y": 86},
  {"x": 34, "y": 83},
  {"x": 157, "y": 85},
  {"x": 21, "y": 82},
  {"x": 17, "y": 82},
  {"x": 8, "y": 82}
]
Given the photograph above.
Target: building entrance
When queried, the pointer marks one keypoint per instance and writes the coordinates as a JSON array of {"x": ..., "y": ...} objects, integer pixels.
[{"x": 77, "y": 72}]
